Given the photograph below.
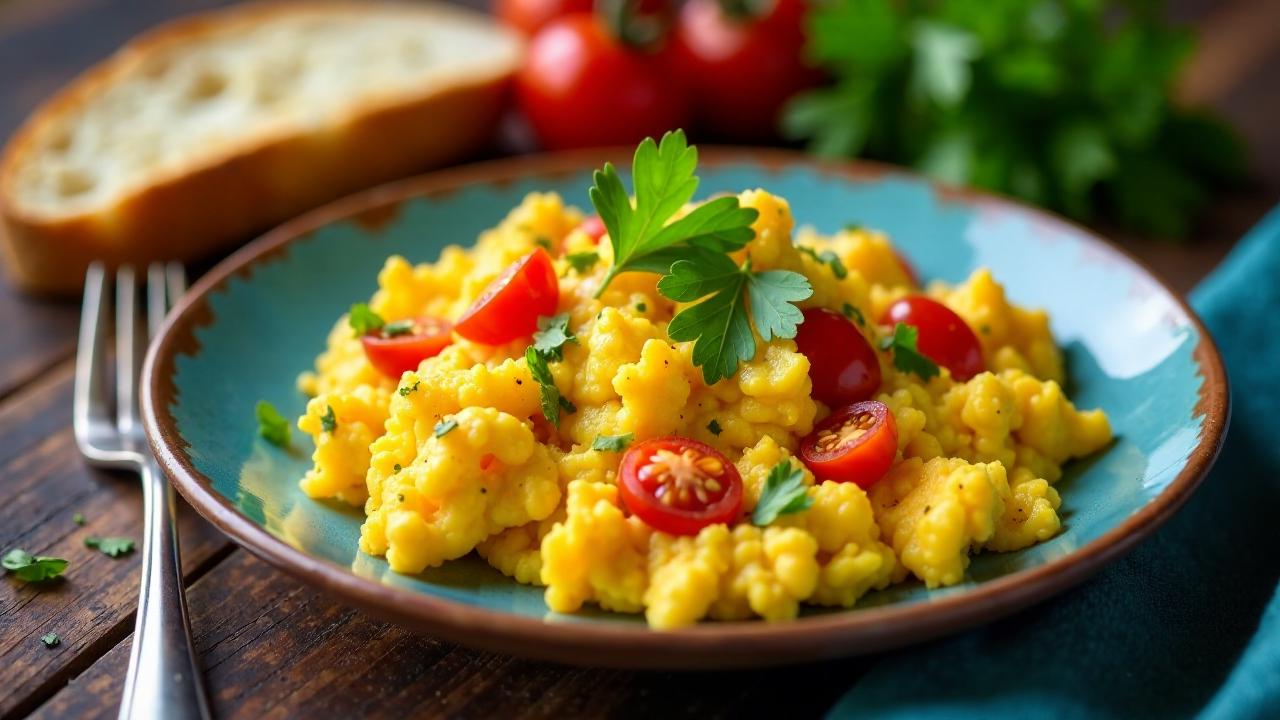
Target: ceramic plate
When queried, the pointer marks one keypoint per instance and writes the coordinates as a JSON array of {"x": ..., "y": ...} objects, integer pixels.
[{"x": 244, "y": 332}]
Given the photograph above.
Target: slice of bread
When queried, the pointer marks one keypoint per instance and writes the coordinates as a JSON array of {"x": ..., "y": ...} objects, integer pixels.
[{"x": 214, "y": 127}]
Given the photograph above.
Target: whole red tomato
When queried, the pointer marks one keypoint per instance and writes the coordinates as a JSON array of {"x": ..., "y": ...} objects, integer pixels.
[
  {"x": 529, "y": 16},
  {"x": 581, "y": 87},
  {"x": 739, "y": 63}
]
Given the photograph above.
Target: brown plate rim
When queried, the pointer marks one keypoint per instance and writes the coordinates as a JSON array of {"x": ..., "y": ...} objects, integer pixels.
[{"x": 707, "y": 645}]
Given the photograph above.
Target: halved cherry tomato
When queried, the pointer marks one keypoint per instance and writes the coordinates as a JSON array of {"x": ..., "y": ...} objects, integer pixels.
[
  {"x": 856, "y": 444},
  {"x": 510, "y": 307},
  {"x": 679, "y": 486},
  {"x": 593, "y": 227},
  {"x": 944, "y": 337},
  {"x": 529, "y": 16},
  {"x": 400, "y": 346},
  {"x": 842, "y": 365}
]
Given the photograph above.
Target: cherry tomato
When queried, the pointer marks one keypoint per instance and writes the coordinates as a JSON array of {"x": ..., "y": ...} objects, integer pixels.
[
  {"x": 856, "y": 444},
  {"x": 529, "y": 16},
  {"x": 510, "y": 307},
  {"x": 593, "y": 227},
  {"x": 943, "y": 335},
  {"x": 581, "y": 87},
  {"x": 400, "y": 346},
  {"x": 842, "y": 365},
  {"x": 739, "y": 69},
  {"x": 679, "y": 486}
]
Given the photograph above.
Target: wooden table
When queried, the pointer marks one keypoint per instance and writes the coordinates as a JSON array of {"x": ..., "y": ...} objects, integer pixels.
[{"x": 271, "y": 647}]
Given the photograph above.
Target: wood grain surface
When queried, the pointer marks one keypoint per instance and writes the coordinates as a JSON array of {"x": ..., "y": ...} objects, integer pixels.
[{"x": 273, "y": 648}]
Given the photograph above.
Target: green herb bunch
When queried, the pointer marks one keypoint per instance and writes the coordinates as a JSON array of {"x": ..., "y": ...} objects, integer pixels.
[{"x": 1063, "y": 103}]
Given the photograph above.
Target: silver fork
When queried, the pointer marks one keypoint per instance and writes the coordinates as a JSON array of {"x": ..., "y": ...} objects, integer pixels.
[{"x": 164, "y": 680}]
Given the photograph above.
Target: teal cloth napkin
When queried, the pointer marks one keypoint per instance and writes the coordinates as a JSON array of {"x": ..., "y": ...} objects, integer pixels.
[{"x": 1188, "y": 624}]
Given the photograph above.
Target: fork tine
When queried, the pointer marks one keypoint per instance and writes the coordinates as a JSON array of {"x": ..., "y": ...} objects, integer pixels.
[
  {"x": 89, "y": 400},
  {"x": 177, "y": 282},
  {"x": 156, "y": 305},
  {"x": 126, "y": 349}
]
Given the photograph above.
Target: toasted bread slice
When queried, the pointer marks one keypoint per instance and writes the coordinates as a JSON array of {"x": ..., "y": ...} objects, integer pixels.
[{"x": 214, "y": 127}]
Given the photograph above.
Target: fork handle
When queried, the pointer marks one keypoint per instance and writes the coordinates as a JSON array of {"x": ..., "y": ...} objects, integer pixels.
[{"x": 164, "y": 680}]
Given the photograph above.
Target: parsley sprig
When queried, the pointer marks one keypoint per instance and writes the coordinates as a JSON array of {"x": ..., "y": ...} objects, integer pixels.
[
  {"x": 32, "y": 568},
  {"x": 272, "y": 426},
  {"x": 612, "y": 443},
  {"x": 110, "y": 546},
  {"x": 721, "y": 325},
  {"x": 552, "y": 335},
  {"x": 642, "y": 239},
  {"x": 363, "y": 320},
  {"x": 784, "y": 492},
  {"x": 552, "y": 401},
  {"x": 905, "y": 355}
]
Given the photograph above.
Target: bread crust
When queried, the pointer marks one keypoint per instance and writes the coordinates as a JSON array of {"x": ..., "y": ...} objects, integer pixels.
[{"x": 209, "y": 205}]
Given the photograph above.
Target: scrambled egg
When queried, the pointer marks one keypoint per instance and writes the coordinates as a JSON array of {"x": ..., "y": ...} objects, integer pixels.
[{"x": 975, "y": 471}]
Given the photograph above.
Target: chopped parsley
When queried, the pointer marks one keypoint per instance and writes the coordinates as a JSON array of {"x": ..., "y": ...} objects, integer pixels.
[
  {"x": 854, "y": 227},
  {"x": 272, "y": 426},
  {"x": 552, "y": 401},
  {"x": 552, "y": 335},
  {"x": 110, "y": 546},
  {"x": 828, "y": 258},
  {"x": 32, "y": 568},
  {"x": 714, "y": 428},
  {"x": 444, "y": 427},
  {"x": 612, "y": 443},
  {"x": 641, "y": 307},
  {"x": 404, "y": 391},
  {"x": 851, "y": 311},
  {"x": 784, "y": 492},
  {"x": 662, "y": 175},
  {"x": 50, "y": 639},
  {"x": 543, "y": 242},
  {"x": 399, "y": 327},
  {"x": 78, "y": 519},
  {"x": 329, "y": 421},
  {"x": 735, "y": 297},
  {"x": 363, "y": 320},
  {"x": 582, "y": 262},
  {"x": 905, "y": 355},
  {"x": 396, "y": 468}
]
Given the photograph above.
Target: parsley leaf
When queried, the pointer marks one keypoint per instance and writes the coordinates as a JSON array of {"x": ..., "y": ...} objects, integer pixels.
[
  {"x": 110, "y": 546},
  {"x": 272, "y": 426},
  {"x": 29, "y": 568},
  {"x": 552, "y": 401},
  {"x": 662, "y": 175},
  {"x": 582, "y": 262},
  {"x": 784, "y": 492},
  {"x": 397, "y": 328},
  {"x": 363, "y": 320},
  {"x": 720, "y": 325},
  {"x": 553, "y": 332},
  {"x": 714, "y": 428},
  {"x": 406, "y": 390},
  {"x": 50, "y": 639},
  {"x": 612, "y": 443},
  {"x": 329, "y": 421},
  {"x": 905, "y": 355},
  {"x": 829, "y": 258},
  {"x": 78, "y": 518},
  {"x": 444, "y": 427},
  {"x": 852, "y": 312}
]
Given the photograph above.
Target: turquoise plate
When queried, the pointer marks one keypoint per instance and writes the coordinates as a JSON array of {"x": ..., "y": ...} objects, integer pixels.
[{"x": 247, "y": 328}]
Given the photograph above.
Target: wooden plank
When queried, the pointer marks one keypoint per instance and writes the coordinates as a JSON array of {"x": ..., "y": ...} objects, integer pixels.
[
  {"x": 273, "y": 648},
  {"x": 39, "y": 334},
  {"x": 45, "y": 484}
]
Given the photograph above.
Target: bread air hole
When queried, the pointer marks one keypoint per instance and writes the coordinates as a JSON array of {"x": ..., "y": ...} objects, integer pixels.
[
  {"x": 72, "y": 182},
  {"x": 59, "y": 141},
  {"x": 207, "y": 85}
]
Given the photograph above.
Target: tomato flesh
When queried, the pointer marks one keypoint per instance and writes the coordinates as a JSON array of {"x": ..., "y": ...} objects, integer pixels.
[
  {"x": 529, "y": 16},
  {"x": 679, "y": 486},
  {"x": 394, "y": 354},
  {"x": 856, "y": 444},
  {"x": 593, "y": 227},
  {"x": 580, "y": 87},
  {"x": 842, "y": 364},
  {"x": 510, "y": 306},
  {"x": 944, "y": 337}
]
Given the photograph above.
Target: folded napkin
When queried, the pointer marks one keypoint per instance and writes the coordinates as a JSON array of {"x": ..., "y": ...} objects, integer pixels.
[{"x": 1188, "y": 624}]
